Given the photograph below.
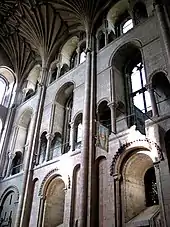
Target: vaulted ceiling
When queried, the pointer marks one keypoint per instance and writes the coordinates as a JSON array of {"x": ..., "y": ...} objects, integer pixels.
[{"x": 37, "y": 28}]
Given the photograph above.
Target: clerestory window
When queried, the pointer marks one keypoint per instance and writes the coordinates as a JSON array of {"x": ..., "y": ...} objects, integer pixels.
[
  {"x": 127, "y": 25},
  {"x": 140, "y": 96}
]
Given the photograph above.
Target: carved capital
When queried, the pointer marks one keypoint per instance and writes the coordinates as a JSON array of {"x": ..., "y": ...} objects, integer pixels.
[
  {"x": 112, "y": 104},
  {"x": 149, "y": 86},
  {"x": 50, "y": 136},
  {"x": 117, "y": 177},
  {"x": 156, "y": 164},
  {"x": 11, "y": 155},
  {"x": 88, "y": 50}
]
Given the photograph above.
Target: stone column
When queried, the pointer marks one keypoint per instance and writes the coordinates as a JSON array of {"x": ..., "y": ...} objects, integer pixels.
[
  {"x": 24, "y": 206},
  {"x": 49, "y": 137},
  {"x": 85, "y": 140},
  {"x": 160, "y": 191},
  {"x": 153, "y": 100},
  {"x": 163, "y": 27},
  {"x": 41, "y": 211},
  {"x": 72, "y": 136},
  {"x": 106, "y": 31},
  {"x": 78, "y": 55},
  {"x": 37, "y": 154},
  {"x": 7, "y": 137},
  {"x": 117, "y": 200},
  {"x": 10, "y": 158},
  {"x": 112, "y": 106}
]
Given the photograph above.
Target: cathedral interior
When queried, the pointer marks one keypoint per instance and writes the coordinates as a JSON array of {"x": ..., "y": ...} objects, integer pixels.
[{"x": 84, "y": 113}]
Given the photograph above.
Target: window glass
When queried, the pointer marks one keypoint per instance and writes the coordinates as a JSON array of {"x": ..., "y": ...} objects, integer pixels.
[
  {"x": 138, "y": 101},
  {"x": 127, "y": 26},
  {"x": 136, "y": 79},
  {"x": 141, "y": 97}
]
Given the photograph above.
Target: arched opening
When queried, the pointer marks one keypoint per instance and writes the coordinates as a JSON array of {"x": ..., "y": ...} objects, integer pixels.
[
  {"x": 29, "y": 94},
  {"x": 101, "y": 40},
  {"x": 138, "y": 189},
  {"x": 78, "y": 131},
  {"x": 140, "y": 12},
  {"x": 111, "y": 36},
  {"x": 43, "y": 147},
  {"x": 17, "y": 163},
  {"x": 167, "y": 146},
  {"x": 119, "y": 19},
  {"x": 104, "y": 115},
  {"x": 82, "y": 52},
  {"x": 161, "y": 87},
  {"x": 69, "y": 54},
  {"x": 30, "y": 84},
  {"x": 129, "y": 72},
  {"x": 73, "y": 60},
  {"x": 151, "y": 192},
  {"x": 53, "y": 74},
  {"x": 64, "y": 69},
  {"x": 8, "y": 209},
  {"x": 56, "y": 145},
  {"x": 7, "y": 86},
  {"x": 54, "y": 204},
  {"x": 64, "y": 104},
  {"x": 23, "y": 132}
]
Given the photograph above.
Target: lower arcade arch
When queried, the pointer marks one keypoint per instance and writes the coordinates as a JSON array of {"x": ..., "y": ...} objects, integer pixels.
[
  {"x": 136, "y": 189},
  {"x": 53, "y": 207},
  {"x": 8, "y": 206}
]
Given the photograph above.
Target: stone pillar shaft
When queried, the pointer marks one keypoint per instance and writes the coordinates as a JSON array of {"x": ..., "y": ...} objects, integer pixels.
[
  {"x": 49, "y": 137},
  {"x": 164, "y": 30},
  {"x": 41, "y": 211},
  {"x": 112, "y": 107},
  {"x": 85, "y": 143},
  {"x": 153, "y": 103},
  {"x": 21, "y": 217}
]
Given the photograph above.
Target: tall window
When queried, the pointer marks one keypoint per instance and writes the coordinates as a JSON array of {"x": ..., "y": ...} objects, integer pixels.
[{"x": 141, "y": 97}]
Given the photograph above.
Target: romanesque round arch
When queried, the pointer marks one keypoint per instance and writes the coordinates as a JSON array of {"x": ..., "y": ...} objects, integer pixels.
[
  {"x": 135, "y": 42},
  {"x": 129, "y": 147},
  {"x": 12, "y": 188}
]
